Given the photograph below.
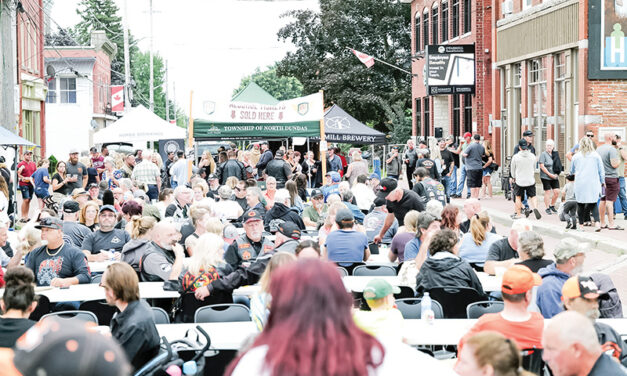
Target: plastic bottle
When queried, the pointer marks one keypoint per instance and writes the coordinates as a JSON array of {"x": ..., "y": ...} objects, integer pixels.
[
  {"x": 173, "y": 370},
  {"x": 426, "y": 312},
  {"x": 190, "y": 368}
]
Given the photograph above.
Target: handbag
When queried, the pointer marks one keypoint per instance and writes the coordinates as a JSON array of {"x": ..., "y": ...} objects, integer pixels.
[
  {"x": 494, "y": 167},
  {"x": 177, "y": 307}
]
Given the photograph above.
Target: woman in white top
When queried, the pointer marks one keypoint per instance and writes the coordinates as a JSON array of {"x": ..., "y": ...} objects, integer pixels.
[{"x": 227, "y": 208}]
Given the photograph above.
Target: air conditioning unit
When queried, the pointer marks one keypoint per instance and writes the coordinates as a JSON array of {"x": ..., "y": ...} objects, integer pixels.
[{"x": 507, "y": 7}]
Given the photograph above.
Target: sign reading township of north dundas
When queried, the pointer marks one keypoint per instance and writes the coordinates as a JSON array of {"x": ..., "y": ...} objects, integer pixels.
[{"x": 299, "y": 117}]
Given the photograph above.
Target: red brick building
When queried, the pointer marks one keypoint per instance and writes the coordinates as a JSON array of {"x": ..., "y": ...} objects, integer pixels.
[
  {"x": 451, "y": 22},
  {"x": 559, "y": 70}
]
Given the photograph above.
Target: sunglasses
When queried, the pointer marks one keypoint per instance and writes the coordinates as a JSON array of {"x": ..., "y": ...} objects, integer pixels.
[{"x": 590, "y": 135}]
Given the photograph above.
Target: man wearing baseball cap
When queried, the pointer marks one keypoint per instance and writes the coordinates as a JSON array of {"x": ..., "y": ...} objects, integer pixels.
[
  {"x": 25, "y": 169},
  {"x": 314, "y": 214},
  {"x": 399, "y": 201},
  {"x": 57, "y": 263},
  {"x": 515, "y": 321},
  {"x": 393, "y": 164},
  {"x": 73, "y": 232},
  {"x": 332, "y": 181},
  {"x": 383, "y": 320},
  {"x": 581, "y": 294},
  {"x": 287, "y": 237},
  {"x": 346, "y": 245},
  {"x": 248, "y": 246},
  {"x": 527, "y": 136},
  {"x": 75, "y": 171},
  {"x": 569, "y": 257},
  {"x": 108, "y": 241}
]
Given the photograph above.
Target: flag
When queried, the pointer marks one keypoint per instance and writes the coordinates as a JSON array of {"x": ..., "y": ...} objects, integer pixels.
[
  {"x": 366, "y": 59},
  {"x": 117, "y": 98}
]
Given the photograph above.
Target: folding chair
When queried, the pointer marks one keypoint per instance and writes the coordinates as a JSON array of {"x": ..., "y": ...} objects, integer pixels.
[
  {"x": 74, "y": 315},
  {"x": 160, "y": 315},
  {"x": 222, "y": 313},
  {"x": 101, "y": 309},
  {"x": 374, "y": 270},
  {"x": 454, "y": 300},
  {"x": 410, "y": 308},
  {"x": 478, "y": 309},
  {"x": 343, "y": 272}
]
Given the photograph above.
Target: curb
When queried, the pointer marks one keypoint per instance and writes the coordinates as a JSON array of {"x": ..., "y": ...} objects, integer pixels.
[{"x": 601, "y": 243}]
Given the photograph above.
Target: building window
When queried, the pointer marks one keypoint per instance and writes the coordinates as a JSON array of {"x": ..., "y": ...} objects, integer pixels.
[
  {"x": 538, "y": 98},
  {"x": 30, "y": 126},
  {"x": 425, "y": 29},
  {"x": 456, "y": 113},
  {"x": 434, "y": 25},
  {"x": 68, "y": 90},
  {"x": 526, "y": 4},
  {"x": 51, "y": 97},
  {"x": 418, "y": 116},
  {"x": 417, "y": 36},
  {"x": 444, "y": 21},
  {"x": 455, "y": 25},
  {"x": 467, "y": 113},
  {"x": 426, "y": 117},
  {"x": 467, "y": 16}
]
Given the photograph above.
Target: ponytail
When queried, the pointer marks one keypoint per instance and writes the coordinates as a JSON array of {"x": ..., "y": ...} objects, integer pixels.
[
  {"x": 479, "y": 227},
  {"x": 141, "y": 225}
]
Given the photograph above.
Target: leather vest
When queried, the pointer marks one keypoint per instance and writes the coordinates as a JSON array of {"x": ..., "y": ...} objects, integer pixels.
[
  {"x": 275, "y": 169},
  {"x": 247, "y": 252}
]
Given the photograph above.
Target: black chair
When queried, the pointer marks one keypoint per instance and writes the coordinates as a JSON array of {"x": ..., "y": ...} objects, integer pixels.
[
  {"x": 532, "y": 361},
  {"x": 43, "y": 308},
  {"x": 160, "y": 315},
  {"x": 101, "y": 309},
  {"x": 222, "y": 313},
  {"x": 478, "y": 309},
  {"x": 410, "y": 308},
  {"x": 476, "y": 267},
  {"x": 96, "y": 278},
  {"x": 74, "y": 315},
  {"x": 406, "y": 292},
  {"x": 374, "y": 248},
  {"x": 190, "y": 305},
  {"x": 349, "y": 266},
  {"x": 454, "y": 300},
  {"x": 343, "y": 272},
  {"x": 374, "y": 270}
]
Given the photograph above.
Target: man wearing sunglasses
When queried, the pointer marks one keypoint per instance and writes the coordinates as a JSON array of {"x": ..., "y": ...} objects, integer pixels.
[{"x": 575, "y": 148}]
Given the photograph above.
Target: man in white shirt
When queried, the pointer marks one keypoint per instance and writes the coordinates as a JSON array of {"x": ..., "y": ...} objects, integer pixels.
[
  {"x": 364, "y": 195},
  {"x": 178, "y": 171}
]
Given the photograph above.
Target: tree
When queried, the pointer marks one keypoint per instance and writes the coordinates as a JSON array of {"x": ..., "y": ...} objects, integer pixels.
[
  {"x": 322, "y": 60},
  {"x": 399, "y": 122},
  {"x": 61, "y": 37},
  {"x": 280, "y": 87},
  {"x": 103, "y": 15}
]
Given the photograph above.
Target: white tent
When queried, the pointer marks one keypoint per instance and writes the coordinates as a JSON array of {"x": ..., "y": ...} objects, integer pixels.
[{"x": 139, "y": 124}]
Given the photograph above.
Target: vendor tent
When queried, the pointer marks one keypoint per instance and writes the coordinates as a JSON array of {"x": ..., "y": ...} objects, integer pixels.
[
  {"x": 253, "y": 93},
  {"x": 139, "y": 124},
  {"x": 340, "y": 127},
  {"x": 11, "y": 139}
]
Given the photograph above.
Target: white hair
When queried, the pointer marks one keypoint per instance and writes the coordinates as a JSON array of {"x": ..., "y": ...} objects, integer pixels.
[
  {"x": 179, "y": 190},
  {"x": 549, "y": 142},
  {"x": 434, "y": 207},
  {"x": 344, "y": 186},
  {"x": 573, "y": 327},
  {"x": 282, "y": 195},
  {"x": 521, "y": 225}
]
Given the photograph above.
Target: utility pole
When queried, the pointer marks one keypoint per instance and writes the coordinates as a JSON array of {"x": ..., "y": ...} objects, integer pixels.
[
  {"x": 7, "y": 83},
  {"x": 167, "y": 104},
  {"x": 127, "y": 62},
  {"x": 152, "y": 67}
]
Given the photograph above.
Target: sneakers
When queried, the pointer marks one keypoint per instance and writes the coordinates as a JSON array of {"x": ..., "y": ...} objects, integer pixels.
[
  {"x": 515, "y": 216},
  {"x": 537, "y": 213},
  {"x": 548, "y": 211},
  {"x": 568, "y": 225},
  {"x": 573, "y": 225},
  {"x": 552, "y": 208},
  {"x": 527, "y": 212}
]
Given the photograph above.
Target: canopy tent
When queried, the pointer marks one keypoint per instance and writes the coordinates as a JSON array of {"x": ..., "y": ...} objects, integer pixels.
[
  {"x": 139, "y": 124},
  {"x": 253, "y": 93},
  {"x": 9, "y": 138},
  {"x": 340, "y": 127}
]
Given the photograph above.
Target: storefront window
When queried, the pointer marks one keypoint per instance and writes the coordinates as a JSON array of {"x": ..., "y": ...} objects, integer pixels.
[
  {"x": 434, "y": 24},
  {"x": 537, "y": 99},
  {"x": 560, "y": 104},
  {"x": 444, "y": 21},
  {"x": 418, "y": 116},
  {"x": 467, "y": 16}
]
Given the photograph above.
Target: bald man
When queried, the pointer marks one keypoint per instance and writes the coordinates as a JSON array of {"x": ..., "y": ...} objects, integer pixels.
[
  {"x": 472, "y": 206},
  {"x": 163, "y": 261},
  {"x": 571, "y": 348}
]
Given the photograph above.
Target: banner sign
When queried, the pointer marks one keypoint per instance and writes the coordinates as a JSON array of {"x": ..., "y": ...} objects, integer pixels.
[
  {"x": 117, "y": 98},
  {"x": 450, "y": 69},
  {"x": 299, "y": 117},
  {"x": 167, "y": 146},
  {"x": 607, "y": 50}
]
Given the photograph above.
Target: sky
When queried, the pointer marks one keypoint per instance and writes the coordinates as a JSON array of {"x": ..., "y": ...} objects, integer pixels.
[{"x": 210, "y": 45}]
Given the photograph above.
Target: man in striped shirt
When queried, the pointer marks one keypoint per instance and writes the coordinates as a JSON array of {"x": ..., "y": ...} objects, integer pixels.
[{"x": 148, "y": 174}]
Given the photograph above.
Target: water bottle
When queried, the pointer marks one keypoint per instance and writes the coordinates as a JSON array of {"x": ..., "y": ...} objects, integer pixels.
[
  {"x": 426, "y": 313},
  {"x": 190, "y": 368}
]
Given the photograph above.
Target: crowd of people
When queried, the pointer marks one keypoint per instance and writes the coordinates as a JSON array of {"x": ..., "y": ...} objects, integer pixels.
[{"x": 209, "y": 226}]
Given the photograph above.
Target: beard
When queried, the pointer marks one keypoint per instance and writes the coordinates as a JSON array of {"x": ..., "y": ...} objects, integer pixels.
[
  {"x": 593, "y": 314},
  {"x": 577, "y": 270}
]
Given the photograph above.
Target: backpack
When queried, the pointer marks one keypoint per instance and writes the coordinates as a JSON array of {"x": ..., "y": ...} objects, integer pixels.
[{"x": 434, "y": 190}]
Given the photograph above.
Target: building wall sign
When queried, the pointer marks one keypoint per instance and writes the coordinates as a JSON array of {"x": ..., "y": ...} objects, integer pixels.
[
  {"x": 607, "y": 25},
  {"x": 450, "y": 69}
]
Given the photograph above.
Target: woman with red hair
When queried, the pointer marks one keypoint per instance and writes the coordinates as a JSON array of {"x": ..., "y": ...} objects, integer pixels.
[
  {"x": 310, "y": 331},
  {"x": 451, "y": 218}
]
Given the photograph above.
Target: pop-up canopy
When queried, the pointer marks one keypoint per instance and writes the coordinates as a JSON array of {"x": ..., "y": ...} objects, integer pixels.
[
  {"x": 340, "y": 127},
  {"x": 137, "y": 125}
]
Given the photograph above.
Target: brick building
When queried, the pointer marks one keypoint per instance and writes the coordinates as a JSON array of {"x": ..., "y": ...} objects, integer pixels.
[
  {"x": 451, "y": 22},
  {"x": 560, "y": 69}
]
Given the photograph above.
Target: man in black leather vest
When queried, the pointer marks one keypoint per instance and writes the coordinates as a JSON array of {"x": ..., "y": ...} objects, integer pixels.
[{"x": 279, "y": 169}]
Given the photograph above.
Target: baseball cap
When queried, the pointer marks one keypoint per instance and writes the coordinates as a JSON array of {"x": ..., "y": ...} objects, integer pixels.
[
  {"x": 78, "y": 191},
  {"x": 527, "y": 133},
  {"x": 344, "y": 215},
  {"x": 582, "y": 287},
  {"x": 425, "y": 220},
  {"x": 56, "y": 346},
  {"x": 71, "y": 206},
  {"x": 279, "y": 153},
  {"x": 519, "y": 279},
  {"x": 93, "y": 149},
  {"x": 252, "y": 215},
  {"x": 73, "y": 151},
  {"x": 316, "y": 192},
  {"x": 212, "y": 176},
  {"x": 290, "y": 230},
  {"x": 374, "y": 175},
  {"x": 378, "y": 288},
  {"x": 395, "y": 147},
  {"x": 28, "y": 152},
  {"x": 106, "y": 207},
  {"x": 50, "y": 222},
  {"x": 467, "y": 135},
  {"x": 387, "y": 186},
  {"x": 93, "y": 185},
  {"x": 523, "y": 144},
  {"x": 567, "y": 248},
  {"x": 230, "y": 233},
  {"x": 335, "y": 176},
  {"x": 379, "y": 201}
]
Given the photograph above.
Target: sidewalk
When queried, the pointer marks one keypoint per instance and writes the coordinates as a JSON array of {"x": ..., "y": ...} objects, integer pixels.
[{"x": 611, "y": 241}]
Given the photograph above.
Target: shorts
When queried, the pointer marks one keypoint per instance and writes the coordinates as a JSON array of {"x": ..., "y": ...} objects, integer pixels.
[
  {"x": 41, "y": 193},
  {"x": 487, "y": 171},
  {"x": 612, "y": 186},
  {"x": 474, "y": 178},
  {"x": 520, "y": 191},
  {"x": 550, "y": 184},
  {"x": 27, "y": 191}
]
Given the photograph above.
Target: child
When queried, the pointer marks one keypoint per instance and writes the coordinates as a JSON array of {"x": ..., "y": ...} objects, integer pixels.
[
  {"x": 383, "y": 319},
  {"x": 568, "y": 209}
]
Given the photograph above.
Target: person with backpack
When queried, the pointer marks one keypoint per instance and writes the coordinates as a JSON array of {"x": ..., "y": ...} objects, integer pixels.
[
  {"x": 427, "y": 188},
  {"x": 550, "y": 169},
  {"x": 232, "y": 167}
]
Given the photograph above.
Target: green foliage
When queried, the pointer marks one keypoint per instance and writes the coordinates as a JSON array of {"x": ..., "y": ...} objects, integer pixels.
[
  {"x": 399, "y": 123},
  {"x": 280, "y": 87},
  {"x": 52, "y": 168},
  {"x": 322, "y": 60},
  {"x": 61, "y": 37}
]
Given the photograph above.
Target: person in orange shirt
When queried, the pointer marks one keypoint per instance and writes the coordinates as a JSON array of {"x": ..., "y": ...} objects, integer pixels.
[{"x": 514, "y": 322}]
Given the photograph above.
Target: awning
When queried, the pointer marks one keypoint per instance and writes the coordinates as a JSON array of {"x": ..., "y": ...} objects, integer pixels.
[
  {"x": 139, "y": 124},
  {"x": 340, "y": 127},
  {"x": 9, "y": 138}
]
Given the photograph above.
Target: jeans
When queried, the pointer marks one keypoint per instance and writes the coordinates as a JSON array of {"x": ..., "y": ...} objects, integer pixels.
[
  {"x": 446, "y": 181},
  {"x": 452, "y": 183},
  {"x": 622, "y": 196},
  {"x": 462, "y": 181}
]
